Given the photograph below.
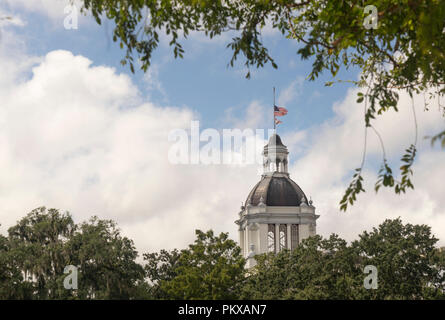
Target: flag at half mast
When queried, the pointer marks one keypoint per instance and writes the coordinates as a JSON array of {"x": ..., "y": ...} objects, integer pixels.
[{"x": 279, "y": 111}]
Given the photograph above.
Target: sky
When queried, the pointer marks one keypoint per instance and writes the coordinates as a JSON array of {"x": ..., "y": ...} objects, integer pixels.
[{"x": 81, "y": 133}]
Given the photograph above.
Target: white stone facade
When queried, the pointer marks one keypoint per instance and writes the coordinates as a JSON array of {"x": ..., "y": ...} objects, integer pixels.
[
  {"x": 271, "y": 228},
  {"x": 254, "y": 227}
]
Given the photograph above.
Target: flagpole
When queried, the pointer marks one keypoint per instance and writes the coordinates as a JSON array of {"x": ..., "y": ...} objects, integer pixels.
[{"x": 274, "y": 122}]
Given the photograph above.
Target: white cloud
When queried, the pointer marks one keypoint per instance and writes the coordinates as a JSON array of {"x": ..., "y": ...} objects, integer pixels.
[
  {"x": 153, "y": 81},
  {"x": 9, "y": 19},
  {"x": 334, "y": 149},
  {"x": 254, "y": 117},
  {"x": 79, "y": 138},
  {"x": 291, "y": 92},
  {"x": 53, "y": 9}
]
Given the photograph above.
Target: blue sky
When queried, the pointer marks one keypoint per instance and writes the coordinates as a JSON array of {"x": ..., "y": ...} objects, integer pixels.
[
  {"x": 202, "y": 80},
  {"x": 79, "y": 132}
]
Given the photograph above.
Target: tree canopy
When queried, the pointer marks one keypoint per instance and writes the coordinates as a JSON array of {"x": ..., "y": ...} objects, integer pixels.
[
  {"x": 43, "y": 243},
  {"x": 397, "y": 45},
  {"x": 408, "y": 266},
  {"x": 317, "y": 269},
  {"x": 38, "y": 248},
  {"x": 211, "y": 268}
]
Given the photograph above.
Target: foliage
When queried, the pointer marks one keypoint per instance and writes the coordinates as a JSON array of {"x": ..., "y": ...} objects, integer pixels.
[
  {"x": 406, "y": 260},
  {"x": 408, "y": 265},
  {"x": 40, "y": 245},
  {"x": 106, "y": 260},
  {"x": 12, "y": 285},
  {"x": 317, "y": 269},
  {"x": 405, "y": 52},
  {"x": 43, "y": 243},
  {"x": 211, "y": 268},
  {"x": 161, "y": 267}
]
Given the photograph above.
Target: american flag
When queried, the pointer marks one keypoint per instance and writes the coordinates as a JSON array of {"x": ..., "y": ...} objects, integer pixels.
[{"x": 279, "y": 111}]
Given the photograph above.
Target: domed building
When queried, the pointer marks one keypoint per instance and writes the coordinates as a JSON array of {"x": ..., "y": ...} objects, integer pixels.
[{"x": 277, "y": 214}]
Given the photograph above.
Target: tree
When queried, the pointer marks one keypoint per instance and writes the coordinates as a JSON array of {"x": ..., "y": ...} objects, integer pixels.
[
  {"x": 317, "y": 269},
  {"x": 438, "y": 290},
  {"x": 211, "y": 268},
  {"x": 406, "y": 259},
  {"x": 38, "y": 243},
  {"x": 12, "y": 285},
  {"x": 399, "y": 46},
  {"x": 43, "y": 243},
  {"x": 33, "y": 256},
  {"x": 408, "y": 267},
  {"x": 106, "y": 260},
  {"x": 160, "y": 268}
]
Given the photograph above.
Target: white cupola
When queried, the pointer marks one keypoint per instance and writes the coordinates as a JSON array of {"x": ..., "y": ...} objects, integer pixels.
[{"x": 277, "y": 214}]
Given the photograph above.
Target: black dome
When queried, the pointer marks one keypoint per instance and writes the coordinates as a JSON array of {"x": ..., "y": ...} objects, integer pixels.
[
  {"x": 276, "y": 190},
  {"x": 275, "y": 140}
]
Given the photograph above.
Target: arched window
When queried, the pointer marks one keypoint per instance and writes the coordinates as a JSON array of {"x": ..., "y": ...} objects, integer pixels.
[
  {"x": 271, "y": 238},
  {"x": 283, "y": 236}
]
